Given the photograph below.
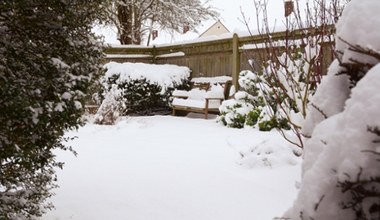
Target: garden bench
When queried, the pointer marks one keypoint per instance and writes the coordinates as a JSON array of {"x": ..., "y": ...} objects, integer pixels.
[{"x": 203, "y": 98}]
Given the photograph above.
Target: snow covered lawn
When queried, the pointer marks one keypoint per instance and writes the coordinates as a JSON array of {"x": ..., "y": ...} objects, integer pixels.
[{"x": 174, "y": 168}]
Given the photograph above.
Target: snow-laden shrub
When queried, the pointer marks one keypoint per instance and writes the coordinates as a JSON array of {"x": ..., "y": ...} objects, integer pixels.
[
  {"x": 111, "y": 107},
  {"x": 281, "y": 89},
  {"x": 250, "y": 107},
  {"x": 289, "y": 83},
  {"x": 233, "y": 112},
  {"x": 139, "y": 88},
  {"x": 341, "y": 175}
]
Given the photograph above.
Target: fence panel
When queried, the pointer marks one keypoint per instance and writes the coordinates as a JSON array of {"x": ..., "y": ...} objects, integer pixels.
[{"x": 211, "y": 58}]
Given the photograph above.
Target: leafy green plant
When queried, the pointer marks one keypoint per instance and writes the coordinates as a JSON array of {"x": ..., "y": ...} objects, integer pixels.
[{"x": 252, "y": 107}]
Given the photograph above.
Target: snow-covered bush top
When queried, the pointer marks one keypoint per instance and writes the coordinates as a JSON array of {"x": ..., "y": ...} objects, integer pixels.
[
  {"x": 166, "y": 76},
  {"x": 357, "y": 28},
  {"x": 330, "y": 104},
  {"x": 247, "y": 79},
  {"x": 341, "y": 176}
]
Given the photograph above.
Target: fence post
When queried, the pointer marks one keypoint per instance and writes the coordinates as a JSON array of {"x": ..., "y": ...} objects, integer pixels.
[
  {"x": 235, "y": 61},
  {"x": 154, "y": 54}
]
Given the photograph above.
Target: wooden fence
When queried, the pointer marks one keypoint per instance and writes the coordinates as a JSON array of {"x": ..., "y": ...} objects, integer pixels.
[{"x": 221, "y": 57}]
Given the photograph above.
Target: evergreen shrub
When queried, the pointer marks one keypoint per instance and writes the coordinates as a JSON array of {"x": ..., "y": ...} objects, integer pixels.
[{"x": 136, "y": 96}]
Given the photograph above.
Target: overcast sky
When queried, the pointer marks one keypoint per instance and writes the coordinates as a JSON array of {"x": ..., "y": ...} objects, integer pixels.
[{"x": 231, "y": 13}]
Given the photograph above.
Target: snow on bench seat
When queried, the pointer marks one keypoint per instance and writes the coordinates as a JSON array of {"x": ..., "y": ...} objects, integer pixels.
[
  {"x": 180, "y": 93},
  {"x": 199, "y": 100}
]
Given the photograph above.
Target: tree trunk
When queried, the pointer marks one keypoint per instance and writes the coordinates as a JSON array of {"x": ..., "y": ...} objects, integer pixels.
[{"x": 129, "y": 25}]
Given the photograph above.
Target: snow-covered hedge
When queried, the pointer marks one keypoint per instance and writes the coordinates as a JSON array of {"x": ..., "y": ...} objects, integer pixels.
[{"x": 138, "y": 88}]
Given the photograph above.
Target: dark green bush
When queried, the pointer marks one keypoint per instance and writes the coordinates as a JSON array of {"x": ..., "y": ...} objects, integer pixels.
[
  {"x": 253, "y": 117},
  {"x": 274, "y": 122},
  {"x": 49, "y": 59},
  {"x": 142, "y": 97}
]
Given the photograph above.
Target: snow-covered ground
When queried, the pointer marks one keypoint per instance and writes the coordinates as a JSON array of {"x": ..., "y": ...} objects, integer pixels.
[{"x": 175, "y": 168}]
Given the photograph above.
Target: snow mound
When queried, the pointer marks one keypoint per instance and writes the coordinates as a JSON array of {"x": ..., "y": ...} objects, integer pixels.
[{"x": 268, "y": 153}]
